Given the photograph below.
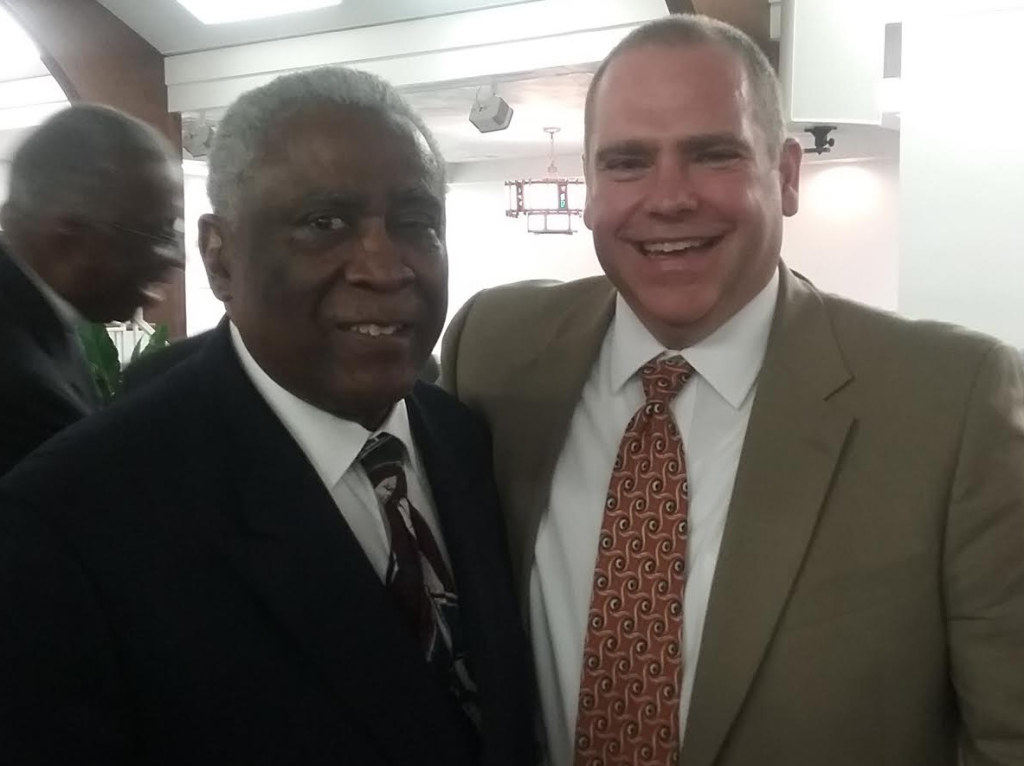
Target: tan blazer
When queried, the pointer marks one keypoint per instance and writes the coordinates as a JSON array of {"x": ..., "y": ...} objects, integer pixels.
[{"x": 868, "y": 603}]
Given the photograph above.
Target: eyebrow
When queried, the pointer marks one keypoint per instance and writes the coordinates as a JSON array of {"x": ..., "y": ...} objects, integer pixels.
[
  {"x": 355, "y": 201},
  {"x": 702, "y": 143},
  {"x": 418, "y": 192},
  {"x": 626, "y": 147},
  {"x": 692, "y": 145}
]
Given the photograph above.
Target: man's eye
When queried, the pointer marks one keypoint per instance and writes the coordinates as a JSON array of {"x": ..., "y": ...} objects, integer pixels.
[
  {"x": 720, "y": 156},
  {"x": 414, "y": 223},
  {"x": 327, "y": 223},
  {"x": 624, "y": 163}
]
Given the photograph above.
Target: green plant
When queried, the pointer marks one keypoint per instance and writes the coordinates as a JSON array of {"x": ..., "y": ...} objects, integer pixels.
[
  {"x": 101, "y": 353},
  {"x": 158, "y": 340}
]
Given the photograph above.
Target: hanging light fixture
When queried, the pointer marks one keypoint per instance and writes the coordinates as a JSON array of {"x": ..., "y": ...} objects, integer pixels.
[{"x": 552, "y": 205}]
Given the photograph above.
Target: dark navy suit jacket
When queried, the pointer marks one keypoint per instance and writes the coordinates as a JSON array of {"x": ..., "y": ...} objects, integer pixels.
[
  {"x": 178, "y": 587},
  {"x": 45, "y": 383}
]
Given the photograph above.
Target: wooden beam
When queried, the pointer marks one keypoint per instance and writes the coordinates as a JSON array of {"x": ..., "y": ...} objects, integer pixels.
[
  {"x": 97, "y": 58},
  {"x": 679, "y": 6},
  {"x": 752, "y": 16}
]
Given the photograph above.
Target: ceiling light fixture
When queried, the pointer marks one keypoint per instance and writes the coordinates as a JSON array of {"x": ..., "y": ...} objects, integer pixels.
[
  {"x": 228, "y": 11},
  {"x": 552, "y": 205}
]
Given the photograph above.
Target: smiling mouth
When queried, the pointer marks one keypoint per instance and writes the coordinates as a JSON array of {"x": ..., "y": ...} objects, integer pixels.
[
  {"x": 677, "y": 247},
  {"x": 377, "y": 329}
]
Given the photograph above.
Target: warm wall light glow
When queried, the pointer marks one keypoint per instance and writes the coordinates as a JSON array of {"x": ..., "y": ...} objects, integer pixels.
[
  {"x": 16, "y": 47},
  {"x": 842, "y": 193},
  {"x": 226, "y": 11}
]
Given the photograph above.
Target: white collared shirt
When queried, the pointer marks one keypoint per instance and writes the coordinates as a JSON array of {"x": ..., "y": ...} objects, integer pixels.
[
  {"x": 711, "y": 412},
  {"x": 332, "y": 444}
]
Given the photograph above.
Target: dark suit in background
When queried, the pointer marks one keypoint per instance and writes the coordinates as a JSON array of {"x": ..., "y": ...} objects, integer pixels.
[
  {"x": 90, "y": 213},
  {"x": 214, "y": 607},
  {"x": 45, "y": 384}
]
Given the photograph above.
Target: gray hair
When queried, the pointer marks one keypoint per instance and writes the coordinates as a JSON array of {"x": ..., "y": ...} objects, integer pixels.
[
  {"x": 74, "y": 163},
  {"x": 688, "y": 30},
  {"x": 250, "y": 119}
]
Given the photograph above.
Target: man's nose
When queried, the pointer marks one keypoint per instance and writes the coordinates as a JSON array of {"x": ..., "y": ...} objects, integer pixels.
[
  {"x": 671, "y": 191},
  {"x": 378, "y": 263}
]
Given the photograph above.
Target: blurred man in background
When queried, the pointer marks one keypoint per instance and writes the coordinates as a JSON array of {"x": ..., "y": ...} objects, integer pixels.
[{"x": 92, "y": 226}]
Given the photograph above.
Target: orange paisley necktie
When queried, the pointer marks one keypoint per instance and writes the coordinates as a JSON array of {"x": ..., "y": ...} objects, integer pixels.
[{"x": 628, "y": 712}]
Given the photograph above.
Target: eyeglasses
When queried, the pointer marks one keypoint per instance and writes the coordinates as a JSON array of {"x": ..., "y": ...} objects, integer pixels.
[{"x": 172, "y": 240}]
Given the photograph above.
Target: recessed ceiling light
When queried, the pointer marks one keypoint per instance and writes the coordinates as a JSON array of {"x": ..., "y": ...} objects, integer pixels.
[{"x": 227, "y": 11}]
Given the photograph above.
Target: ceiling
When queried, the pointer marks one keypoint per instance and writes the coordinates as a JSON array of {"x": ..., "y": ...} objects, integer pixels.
[
  {"x": 556, "y": 100},
  {"x": 544, "y": 98},
  {"x": 547, "y": 98},
  {"x": 551, "y": 101},
  {"x": 171, "y": 29}
]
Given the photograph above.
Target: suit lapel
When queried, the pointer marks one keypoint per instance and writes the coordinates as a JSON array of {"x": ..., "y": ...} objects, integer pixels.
[
  {"x": 66, "y": 370},
  {"x": 553, "y": 382},
  {"x": 793, "y": 444},
  {"x": 293, "y": 548},
  {"x": 469, "y": 521}
]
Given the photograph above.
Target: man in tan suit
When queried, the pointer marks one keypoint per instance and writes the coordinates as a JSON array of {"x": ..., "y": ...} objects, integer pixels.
[{"x": 831, "y": 572}]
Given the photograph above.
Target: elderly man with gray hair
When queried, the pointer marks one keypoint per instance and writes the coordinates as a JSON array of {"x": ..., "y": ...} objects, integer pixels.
[
  {"x": 286, "y": 550},
  {"x": 92, "y": 225}
]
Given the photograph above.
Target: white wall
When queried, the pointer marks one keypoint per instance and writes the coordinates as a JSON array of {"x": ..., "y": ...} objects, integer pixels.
[
  {"x": 485, "y": 248},
  {"x": 202, "y": 309},
  {"x": 962, "y": 255},
  {"x": 845, "y": 238}
]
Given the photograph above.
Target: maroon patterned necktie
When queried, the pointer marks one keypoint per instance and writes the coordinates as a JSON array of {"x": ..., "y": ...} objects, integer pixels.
[
  {"x": 417, "y": 576},
  {"x": 628, "y": 713}
]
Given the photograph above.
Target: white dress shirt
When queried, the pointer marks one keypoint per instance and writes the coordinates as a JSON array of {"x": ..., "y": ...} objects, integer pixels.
[
  {"x": 711, "y": 412},
  {"x": 332, "y": 444}
]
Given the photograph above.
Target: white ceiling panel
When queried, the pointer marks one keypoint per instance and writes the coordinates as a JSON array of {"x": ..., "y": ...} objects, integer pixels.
[{"x": 171, "y": 29}]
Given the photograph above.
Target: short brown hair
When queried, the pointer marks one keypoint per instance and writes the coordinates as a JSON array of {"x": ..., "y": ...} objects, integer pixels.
[{"x": 686, "y": 30}]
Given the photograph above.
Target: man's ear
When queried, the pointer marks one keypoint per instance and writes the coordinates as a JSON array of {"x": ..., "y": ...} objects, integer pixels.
[
  {"x": 789, "y": 176},
  {"x": 218, "y": 257}
]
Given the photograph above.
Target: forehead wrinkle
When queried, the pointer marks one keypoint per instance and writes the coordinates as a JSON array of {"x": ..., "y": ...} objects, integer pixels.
[
  {"x": 303, "y": 150},
  {"x": 647, "y": 115}
]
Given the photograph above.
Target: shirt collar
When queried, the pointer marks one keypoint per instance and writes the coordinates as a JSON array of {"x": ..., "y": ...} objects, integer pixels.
[
  {"x": 331, "y": 444},
  {"x": 67, "y": 313},
  {"x": 729, "y": 359}
]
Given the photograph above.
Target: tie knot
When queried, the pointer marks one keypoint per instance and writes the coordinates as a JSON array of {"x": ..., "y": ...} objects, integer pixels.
[
  {"x": 379, "y": 451},
  {"x": 664, "y": 378}
]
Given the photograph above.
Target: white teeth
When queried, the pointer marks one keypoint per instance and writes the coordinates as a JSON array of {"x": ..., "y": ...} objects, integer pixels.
[
  {"x": 375, "y": 329},
  {"x": 675, "y": 246}
]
